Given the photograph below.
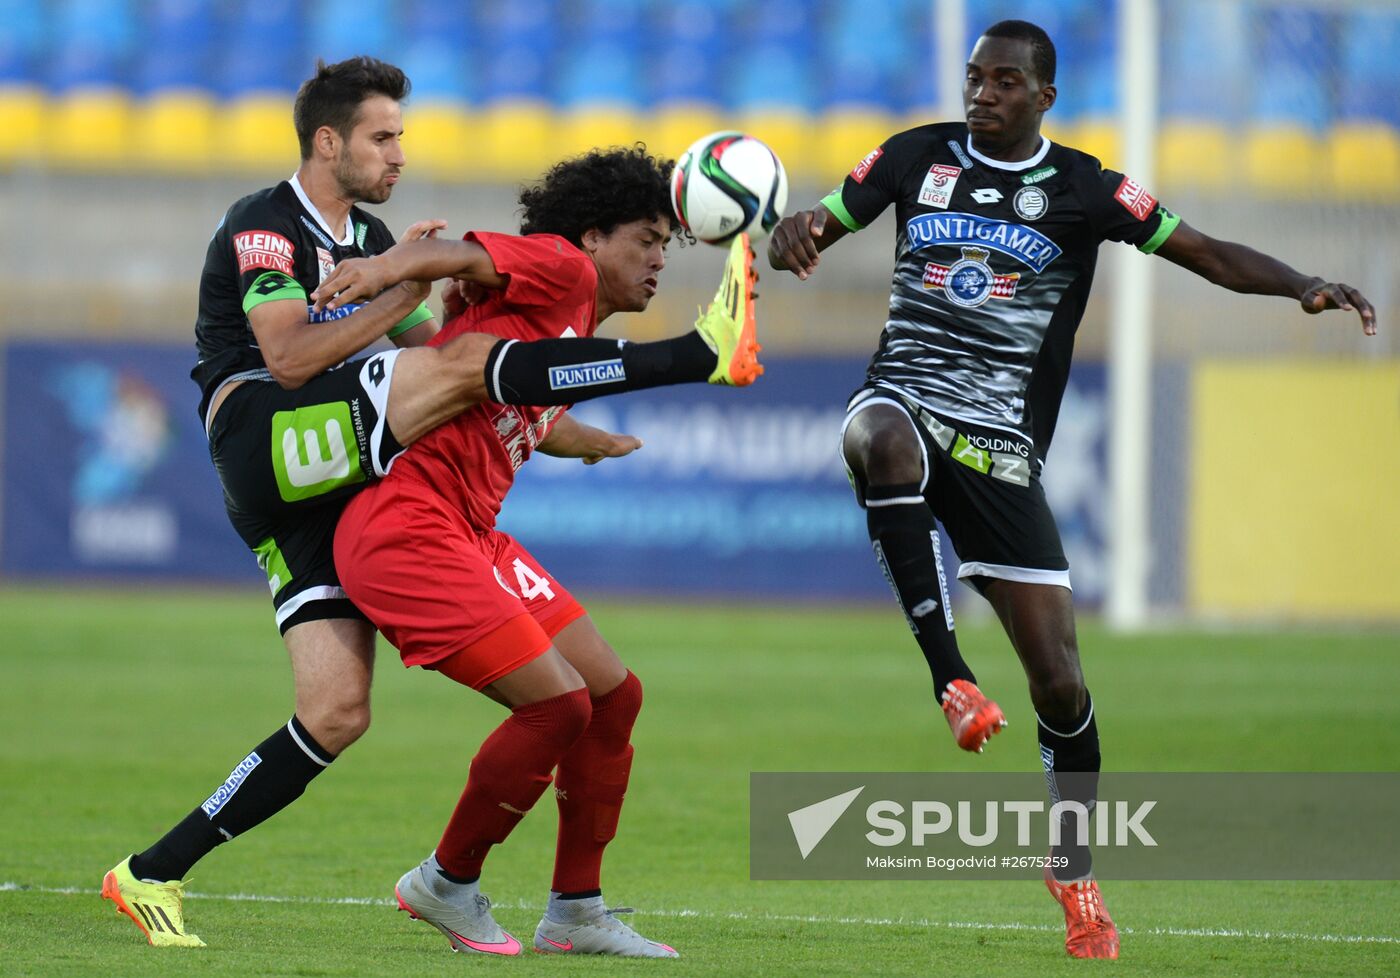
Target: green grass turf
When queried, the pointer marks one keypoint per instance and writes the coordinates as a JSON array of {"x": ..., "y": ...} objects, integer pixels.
[{"x": 120, "y": 711}]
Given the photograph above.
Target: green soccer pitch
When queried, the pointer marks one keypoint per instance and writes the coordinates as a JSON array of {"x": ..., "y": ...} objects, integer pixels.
[{"x": 120, "y": 711}]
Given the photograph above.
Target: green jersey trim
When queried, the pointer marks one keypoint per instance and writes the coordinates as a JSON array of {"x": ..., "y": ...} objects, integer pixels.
[
  {"x": 837, "y": 206},
  {"x": 1164, "y": 231},
  {"x": 271, "y": 286},
  {"x": 420, "y": 315}
]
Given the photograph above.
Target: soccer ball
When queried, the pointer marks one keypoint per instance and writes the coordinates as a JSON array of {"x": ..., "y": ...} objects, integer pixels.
[{"x": 727, "y": 183}]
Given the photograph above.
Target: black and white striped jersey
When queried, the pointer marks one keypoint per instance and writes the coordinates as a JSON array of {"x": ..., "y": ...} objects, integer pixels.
[{"x": 993, "y": 264}]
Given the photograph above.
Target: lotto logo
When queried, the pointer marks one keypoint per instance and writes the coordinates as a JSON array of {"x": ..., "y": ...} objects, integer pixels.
[
  {"x": 863, "y": 167},
  {"x": 1132, "y": 196},
  {"x": 263, "y": 249}
]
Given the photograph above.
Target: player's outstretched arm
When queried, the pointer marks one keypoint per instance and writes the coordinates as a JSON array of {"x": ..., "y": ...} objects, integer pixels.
[
  {"x": 570, "y": 438},
  {"x": 295, "y": 353},
  {"x": 422, "y": 260},
  {"x": 1240, "y": 268},
  {"x": 799, "y": 239}
]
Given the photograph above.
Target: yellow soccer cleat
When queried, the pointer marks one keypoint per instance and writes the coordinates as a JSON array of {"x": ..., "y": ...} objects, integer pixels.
[
  {"x": 728, "y": 326},
  {"x": 157, "y": 908}
]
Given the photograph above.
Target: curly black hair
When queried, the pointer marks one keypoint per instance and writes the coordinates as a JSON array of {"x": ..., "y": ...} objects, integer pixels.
[{"x": 600, "y": 189}]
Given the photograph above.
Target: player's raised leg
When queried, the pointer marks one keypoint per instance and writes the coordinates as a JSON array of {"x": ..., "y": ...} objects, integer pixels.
[
  {"x": 589, "y": 788},
  {"x": 889, "y": 467},
  {"x": 1039, "y": 620}
]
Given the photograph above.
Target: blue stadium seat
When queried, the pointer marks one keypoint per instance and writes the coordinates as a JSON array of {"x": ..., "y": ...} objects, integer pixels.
[
  {"x": 337, "y": 30},
  {"x": 1205, "y": 61},
  {"x": 770, "y": 75},
  {"x": 439, "y": 69},
  {"x": 864, "y": 48},
  {"x": 92, "y": 44},
  {"x": 518, "y": 45},
  {"x": 689, "y": 51},
  {"x": 179, "y": 44},
  {"x": 1295, "y": 47},
  {"x": 21, "y": 41},
  {"x": 1369, "y": 83},
  {"x": 262, "y": 49}
]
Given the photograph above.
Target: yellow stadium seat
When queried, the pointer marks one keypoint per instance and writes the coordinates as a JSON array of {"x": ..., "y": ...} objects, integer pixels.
[
  {"x": 1365, "y": 161},
  {"x": 442, "y": 139},
  {"x": 255, "y": 135},
  {"x": 517, "y": 139},
  {"x": 1097, "y": 137},
  {"x": 174, "y": 132},
  {"x": 787, "y": 133},
  {"x": 678, "y": 125},
  {"x": 848, "y": 134},
  {"x": 90, "y": 128},
  {"x": 1196, "y": 154},
  {"x": 22, "y": 117},
  {"x": 1285, "y": 161},
  {"x": 596, "y": 127}
]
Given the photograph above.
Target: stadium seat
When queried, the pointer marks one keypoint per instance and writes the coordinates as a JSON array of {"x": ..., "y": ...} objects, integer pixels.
[
  {"x": 1204, "y": 72},
  {"x": 336, "y": 30},
  {"x": 88, "y": 65},
  {"x": 598, "y": 88},
  {"x": 174, "y": 125},
  {"x": 22, "y": 101},
  {"x": 518, "y": 44},
  {"x": 439, "y": 125},
  {"x": 689, "y": 51},
  {"x": 263, "y": 61},
  {"x": 1364, "y": 159}
]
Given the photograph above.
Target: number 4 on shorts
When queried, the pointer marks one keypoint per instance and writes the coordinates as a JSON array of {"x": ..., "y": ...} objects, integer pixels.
[{"x": 531, "y": 584}]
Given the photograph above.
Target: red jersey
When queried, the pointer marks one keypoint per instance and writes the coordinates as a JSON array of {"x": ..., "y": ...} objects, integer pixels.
[{"x": 551, "y": 291}]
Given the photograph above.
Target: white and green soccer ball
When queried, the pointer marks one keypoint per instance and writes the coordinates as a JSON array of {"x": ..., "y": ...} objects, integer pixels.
[{"x": 726, "y": 183}]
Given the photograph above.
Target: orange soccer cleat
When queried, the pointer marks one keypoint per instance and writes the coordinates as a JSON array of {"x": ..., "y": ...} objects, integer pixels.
[
  {"x": 1089, "y": 930},
  {"x": 971, "y": 716}
]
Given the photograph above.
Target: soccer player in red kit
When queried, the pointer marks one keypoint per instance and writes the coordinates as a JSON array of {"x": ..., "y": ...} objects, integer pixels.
[{"x": 419, "y": 553}]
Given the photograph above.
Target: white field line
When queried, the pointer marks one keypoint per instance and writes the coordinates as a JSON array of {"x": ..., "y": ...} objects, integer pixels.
[{"x": 1193, "y": 932}]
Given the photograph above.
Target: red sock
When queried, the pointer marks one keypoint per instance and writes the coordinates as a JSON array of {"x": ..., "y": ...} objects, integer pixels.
[
  {"x": 591, "y": 783},
  {"x": 507, "y": 777}
]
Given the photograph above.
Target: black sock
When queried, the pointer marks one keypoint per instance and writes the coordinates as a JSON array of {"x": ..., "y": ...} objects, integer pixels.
[
  {"x": 1072, "y": 763},
  {"x": 268, "y": 780},
  {"x": 905, "y": 540},
  {"x": 568, "y": 371},
  {"x": 581, "y": 895}
]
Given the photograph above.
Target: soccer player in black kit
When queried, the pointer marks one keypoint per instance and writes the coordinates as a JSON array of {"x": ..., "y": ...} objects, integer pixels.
[
  {"x": 300, "y": 416},
  {"x": 998, "y": 231}
]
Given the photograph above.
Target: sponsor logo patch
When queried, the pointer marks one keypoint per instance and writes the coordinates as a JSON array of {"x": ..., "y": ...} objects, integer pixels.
[
  {"x": 971, "y": 281},
  {"x": 328, "y": 315},
  {"x": 987, "y": 195},
  {"x": 937, "y": 190},
  {"x": 1026, "y": 245},
  {"x": 325, "y": 262},
  {"x": 957, "y": 149},
  {"x": 1030, "y": 203},
  {"x": 263, "y": 249},
  {"x": 1036, "y": 176},
  {"x": 863, "y": 167},
  {"x": 586, "y": 374},
  {"x": 1135, "y": 199},
  {"x": 226, "y": 790}
]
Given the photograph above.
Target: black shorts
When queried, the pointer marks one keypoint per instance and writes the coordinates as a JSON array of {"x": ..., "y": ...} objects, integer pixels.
[
  {"x": 981, "y": 484},
  {"x": 288, "y": 461}
]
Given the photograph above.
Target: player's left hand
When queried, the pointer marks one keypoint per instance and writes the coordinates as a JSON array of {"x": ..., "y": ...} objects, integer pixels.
[
  {"x": 423, "y": 229},
  {"x": 353, "y": 280},
  {"x": 1334, "y": 295},
  {"x": 610, "y": 445}
]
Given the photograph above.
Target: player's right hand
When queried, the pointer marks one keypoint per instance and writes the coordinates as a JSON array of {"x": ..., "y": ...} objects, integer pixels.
[
  {"x": 793, "y": 245},
  {"x": 423, "y": 229},
  {"x": 353, "y": 280}
]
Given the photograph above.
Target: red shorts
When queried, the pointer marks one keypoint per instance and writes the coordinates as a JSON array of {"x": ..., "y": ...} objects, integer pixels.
[{"x": 436, "y": 586}]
